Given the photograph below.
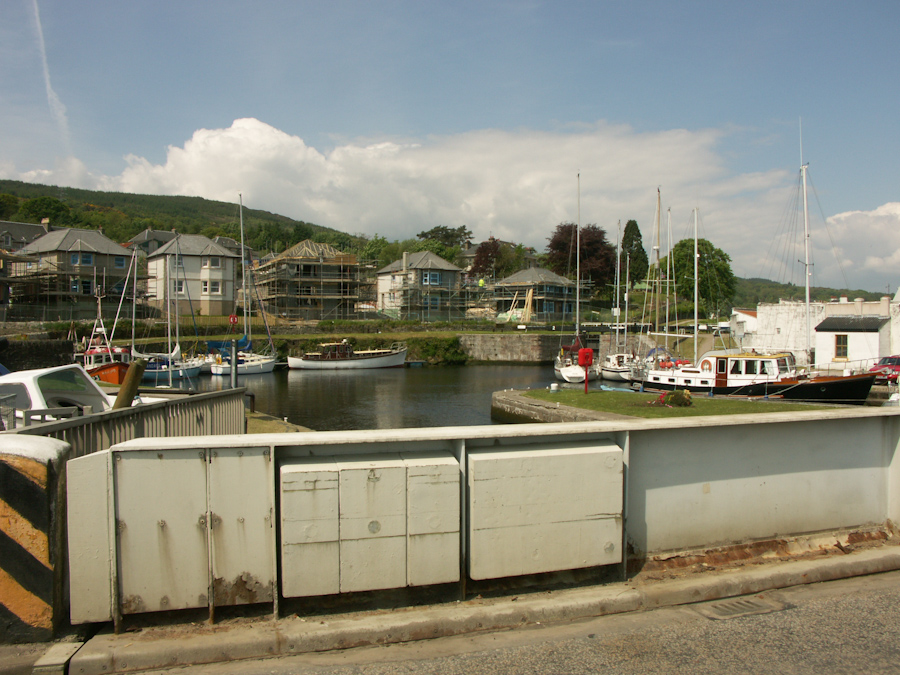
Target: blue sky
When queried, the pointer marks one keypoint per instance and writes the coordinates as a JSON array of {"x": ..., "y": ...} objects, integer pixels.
[{"x": 392, "y": 117}]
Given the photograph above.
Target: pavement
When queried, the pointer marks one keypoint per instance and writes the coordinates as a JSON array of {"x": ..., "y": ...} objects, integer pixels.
[{"x": 162, "y": 647}]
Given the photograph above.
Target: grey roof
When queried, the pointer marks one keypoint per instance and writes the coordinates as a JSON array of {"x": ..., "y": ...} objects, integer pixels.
[
  {"x": 422, "y": 260},
  {"x": 161, "y": 236},
  {"x": 534, "y": 276},
  {"x": 73, "y": 239},
  {"x": 193, "y": 244},
  {"x": 21, "y": 233},
  {"x": 852, "y": 324}
]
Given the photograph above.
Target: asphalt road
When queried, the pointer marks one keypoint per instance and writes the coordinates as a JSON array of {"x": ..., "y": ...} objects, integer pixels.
[{"x": 846, "y": 626}]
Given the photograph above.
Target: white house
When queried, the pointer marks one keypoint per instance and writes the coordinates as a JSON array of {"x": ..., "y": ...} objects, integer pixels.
[
  {"x": 842, "y": 334},
  {"x": 419, "y": 286},
  {"x": 201, "y": 276}
]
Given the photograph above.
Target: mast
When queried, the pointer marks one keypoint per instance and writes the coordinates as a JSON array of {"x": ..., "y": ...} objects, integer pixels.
[
  {"x": 696, "y": 284},
  {"x": 803, "y": 168},
  {"x": 668, "y": 266},
  {"x": 578, "y": 264},
  {"x": 618, "y": 273},
  {"x": 656, "y": 264},
  {"x": 244, "y": 270}
]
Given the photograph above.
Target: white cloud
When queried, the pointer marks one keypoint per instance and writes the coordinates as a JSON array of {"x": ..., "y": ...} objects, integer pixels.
[{"x": 514, "y": 185}]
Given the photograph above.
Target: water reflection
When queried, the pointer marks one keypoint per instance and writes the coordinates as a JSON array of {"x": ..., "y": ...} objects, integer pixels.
[{"x": 389, "y": 398}]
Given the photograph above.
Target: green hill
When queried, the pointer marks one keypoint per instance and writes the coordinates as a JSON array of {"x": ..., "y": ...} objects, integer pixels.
[
  {"x": 121, "y": 216},
  {"x": 750, "y": 292}
]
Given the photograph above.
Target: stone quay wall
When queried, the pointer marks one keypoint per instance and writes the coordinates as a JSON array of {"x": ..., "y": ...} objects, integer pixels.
[{"x": 515, "y": 348}]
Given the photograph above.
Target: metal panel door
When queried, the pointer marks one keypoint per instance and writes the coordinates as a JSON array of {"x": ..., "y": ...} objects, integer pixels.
[
  {"x": 373, "y": 523},
  {"x": 242, "y": 537},
  {"x": 161, "y": 532}
]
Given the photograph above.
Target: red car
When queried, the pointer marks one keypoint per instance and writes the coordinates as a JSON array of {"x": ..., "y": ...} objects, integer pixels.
[{"x": 887, "y": 367}]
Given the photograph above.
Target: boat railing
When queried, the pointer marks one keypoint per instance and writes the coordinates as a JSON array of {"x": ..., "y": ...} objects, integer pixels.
[
  {"x": 208, "y": 414},
  {"x": 398, "y": 346}
]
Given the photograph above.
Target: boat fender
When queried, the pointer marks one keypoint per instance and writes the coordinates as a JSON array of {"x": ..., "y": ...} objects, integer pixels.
[
  {"x": 706, "y": 365},
  {"x": 219, "y": 359}
]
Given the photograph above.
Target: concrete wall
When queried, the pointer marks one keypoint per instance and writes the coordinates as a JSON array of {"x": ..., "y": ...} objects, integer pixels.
[
  {"x": 661, "y": 486},
  {"x": 510, "y": 348}
]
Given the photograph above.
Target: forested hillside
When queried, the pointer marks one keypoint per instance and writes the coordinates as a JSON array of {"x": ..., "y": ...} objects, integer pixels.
[
  {"x": 122, "y": 216},
  {"x": 750, "y": 292}
]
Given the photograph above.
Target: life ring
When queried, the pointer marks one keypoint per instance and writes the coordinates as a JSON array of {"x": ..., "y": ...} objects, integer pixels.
[{"x": 706, "y": 365}]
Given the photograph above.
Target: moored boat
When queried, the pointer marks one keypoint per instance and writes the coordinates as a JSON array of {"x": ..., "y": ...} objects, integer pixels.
[
  {"x": 342, "y": 356},
  {"x": 750, "y": 374}
]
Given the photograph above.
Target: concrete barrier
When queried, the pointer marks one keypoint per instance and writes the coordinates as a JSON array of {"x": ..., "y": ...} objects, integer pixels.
[{"x": 32, "y": 551}]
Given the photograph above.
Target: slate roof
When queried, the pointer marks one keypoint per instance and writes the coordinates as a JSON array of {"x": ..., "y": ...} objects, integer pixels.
[
  {"x": 21, "y": 233},
  {"x": 422, "y": 260},
  {"x": 72, "y": 239},
  {"x": 852, "y": 324},
  {"x": 534, "y": 276},
  {"x": 161, "y": 236},
  {"x": 193, "y": 244}
]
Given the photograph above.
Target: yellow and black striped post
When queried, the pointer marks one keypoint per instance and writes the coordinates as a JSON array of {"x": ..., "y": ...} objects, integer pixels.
[{"x": 30, "y": 541}]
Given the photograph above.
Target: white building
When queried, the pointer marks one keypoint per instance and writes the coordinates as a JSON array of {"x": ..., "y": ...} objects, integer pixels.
[
  {"x": 201, "y": 275},
  {"x": 843, "y": 334}
]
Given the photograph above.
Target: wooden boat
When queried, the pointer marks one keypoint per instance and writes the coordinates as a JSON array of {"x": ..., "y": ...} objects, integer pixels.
[
  {"x": 750, "y": 374},
  {"x": 342, "y": 356},
  {"x": 112, "y": 373}
]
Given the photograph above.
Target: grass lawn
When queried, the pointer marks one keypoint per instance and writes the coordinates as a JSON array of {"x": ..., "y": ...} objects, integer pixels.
[{"x": 643, "y": 405}]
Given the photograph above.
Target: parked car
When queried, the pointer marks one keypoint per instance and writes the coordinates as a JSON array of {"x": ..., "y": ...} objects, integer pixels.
[{"x": 887, "y": 369}]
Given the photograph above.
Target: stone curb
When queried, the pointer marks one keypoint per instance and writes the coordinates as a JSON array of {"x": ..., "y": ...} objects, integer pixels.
[{"x": 130, "y": 652}]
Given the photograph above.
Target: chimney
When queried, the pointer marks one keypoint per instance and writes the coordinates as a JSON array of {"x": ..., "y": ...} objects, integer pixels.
[
  {"x": 405, "y": 261},
  {"x": 885, "y": 305},
  {"x": 46, "y": 223},
  {"x": 859, "y": 305},
  {"x": 843, "y": 298}
]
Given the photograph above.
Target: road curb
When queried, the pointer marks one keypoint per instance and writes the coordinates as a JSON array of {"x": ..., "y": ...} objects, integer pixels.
[{"x": 148, "y": 650}]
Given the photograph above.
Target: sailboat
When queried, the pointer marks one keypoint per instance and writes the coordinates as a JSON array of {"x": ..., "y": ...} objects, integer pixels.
[
  {"x": 163, "y": 368},
  {"x": 248, "y": 361},
  {"x": 618, "y": 364},
  {"x": 750, "y": 374},
  {"x": 100, "y": 359},
  {"x": 565, "y": 366}
]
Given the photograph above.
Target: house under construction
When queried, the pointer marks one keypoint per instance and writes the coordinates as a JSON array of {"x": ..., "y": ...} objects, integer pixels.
[{"x": 310, "y": 281}]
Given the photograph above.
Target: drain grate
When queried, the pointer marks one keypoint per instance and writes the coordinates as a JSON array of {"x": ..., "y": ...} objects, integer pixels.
[{"x": 737, "y": 607}]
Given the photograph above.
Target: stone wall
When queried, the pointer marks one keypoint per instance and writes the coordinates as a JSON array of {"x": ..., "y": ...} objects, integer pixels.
[
  {"x": 513, "y": 348},
  {"x": 32, "y": 353}
]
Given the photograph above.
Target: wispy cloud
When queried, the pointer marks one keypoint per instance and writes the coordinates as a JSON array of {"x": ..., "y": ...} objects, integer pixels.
[{"x": 57, "y": 109}]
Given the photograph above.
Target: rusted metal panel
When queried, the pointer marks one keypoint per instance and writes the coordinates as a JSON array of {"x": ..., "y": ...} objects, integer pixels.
[
  {"x": 242, "y": 538},
  {"x": 161, "y": 530}
]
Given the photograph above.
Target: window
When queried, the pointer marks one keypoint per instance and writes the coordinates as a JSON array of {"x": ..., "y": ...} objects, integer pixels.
[
  {"x": 85, "y": 286},
  {"x": 179, "y": 260},
  {"x": 87, "y": 258},
  {"x": 735, "y": 367},
  {"x": 212, "y": 261},
  {"x": 750, "y": 367},
  {"x": 204, "y": 287},
  {"x": 179, "y": 286},
  {"x": 841, "y": 347},
  {"x": 7, "y": 240},
  {"x": 75, "y": 286},
  {"x": 215, "y": 287},
  {"x": 120, "y": 262},
  {"x": 431, "y": 278},
  {"x": 434, "y": 301}
]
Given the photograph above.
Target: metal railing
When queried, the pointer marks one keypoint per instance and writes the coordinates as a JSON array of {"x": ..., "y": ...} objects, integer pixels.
[{"x": 209, "y": 414}]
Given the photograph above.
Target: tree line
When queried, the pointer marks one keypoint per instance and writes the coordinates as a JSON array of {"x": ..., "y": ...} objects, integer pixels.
[{"x": 122, "y": 216}]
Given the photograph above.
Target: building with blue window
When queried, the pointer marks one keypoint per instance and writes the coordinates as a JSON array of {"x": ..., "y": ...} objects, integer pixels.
[
  {"x": 66, "y": 270},
  {"x": 420, "y": 286}
]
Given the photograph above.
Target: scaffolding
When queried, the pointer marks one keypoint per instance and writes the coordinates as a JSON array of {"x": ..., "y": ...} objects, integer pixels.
[{"x": 311, "y": 281}]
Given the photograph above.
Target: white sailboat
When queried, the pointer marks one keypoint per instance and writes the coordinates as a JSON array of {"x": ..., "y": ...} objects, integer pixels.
[
  {"x": 565, "y": 366},
  {"x": 617, "y": 365},
  {"x": 248, "y": 361}
]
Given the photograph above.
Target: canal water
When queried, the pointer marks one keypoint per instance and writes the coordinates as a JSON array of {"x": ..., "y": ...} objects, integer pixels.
[{"x": 387, "y": 398}]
